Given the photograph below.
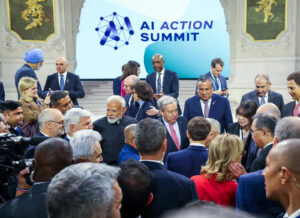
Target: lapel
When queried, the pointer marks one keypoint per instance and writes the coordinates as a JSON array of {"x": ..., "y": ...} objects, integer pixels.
[
  {"x": 56, "y": 84},
  {"x": 67, "y": 81},
  {"x": 213, "y": 108},
  {"x": 165, "y": 82},
  {"x": 256, "y": 99},
  {"x": 197, "y": 105},
  {"x": 153, "y": 81},
  {"x": 270, "y": 96},
  {"x": 181, "y": 129}
]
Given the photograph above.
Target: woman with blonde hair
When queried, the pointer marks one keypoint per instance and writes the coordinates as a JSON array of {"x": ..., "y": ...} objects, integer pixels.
[
  {"x": 32, "y": 105},
  {"x": 216, "y": 183}
]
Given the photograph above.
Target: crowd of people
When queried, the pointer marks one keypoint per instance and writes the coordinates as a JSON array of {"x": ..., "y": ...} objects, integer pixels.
[{"x": 146, "y": 158}]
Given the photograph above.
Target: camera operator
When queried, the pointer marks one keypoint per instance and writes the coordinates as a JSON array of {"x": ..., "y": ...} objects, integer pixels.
[
  {"x": 14, "y": 113},
  {"x": 50, "y": 157}
]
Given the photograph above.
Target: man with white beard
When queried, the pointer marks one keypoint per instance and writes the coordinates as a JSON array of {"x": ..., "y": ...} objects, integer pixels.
[{"x": 111, "y": 127}]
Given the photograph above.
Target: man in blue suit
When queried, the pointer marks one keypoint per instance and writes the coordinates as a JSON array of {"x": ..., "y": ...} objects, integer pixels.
[
  {"x": 170, "y": 190},
  {"x": 208, "y": 104},
  {"x": 255, "y": 202},
  {"x": 163, "y": 81},
  {"x": 262, "y": 93},
  {"x": 176, "y": 126},
  {"x": 188, "y": 162},
  {"x": 65, "y": 81},
  {"x": 292, "y": 108},
  {"x": 132, "y": 108},
  {"x": 216, "y": 69},
  {"x": 34, "y": 61}
]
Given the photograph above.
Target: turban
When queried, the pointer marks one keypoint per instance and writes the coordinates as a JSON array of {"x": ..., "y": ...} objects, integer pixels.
[{"x": 34, "y": 56}]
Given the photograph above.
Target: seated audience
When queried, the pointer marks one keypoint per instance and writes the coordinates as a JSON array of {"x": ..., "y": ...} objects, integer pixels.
[
  {"x": 86, "y": 146},
  {"x": 51, "y": 156},
  {"x": 129, "y": 150},
  {"x": 77, "y": 119},
  {"x": 32, "y": 105},
  {"x": 85, "y": 190},
  {"x": 188, "y": 162},
  {"x": 143, "y": 95},
  {"x": 135, "y": 181},
  {"x": 215, "y": 182}
]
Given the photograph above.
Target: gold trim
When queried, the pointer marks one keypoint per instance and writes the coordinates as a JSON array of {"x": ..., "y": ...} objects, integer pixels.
[
  {"x": 28, "y": 40},
  {"x": 266, "y": 40}
]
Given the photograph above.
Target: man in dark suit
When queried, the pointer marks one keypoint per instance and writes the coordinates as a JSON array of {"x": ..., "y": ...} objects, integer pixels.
[
  {"x": 208, "y": 105},
  {"x": 111, "y": 127},
  {"x": 51, "y": 156},
  {"x": 170, "y": 190},
  {"x": 262, "y": 128},
  {"x": 2, "y": 92},
  {"x": 256, "y": 202},
  {"x": 293, "y": 85},
  {"x": 282, "y": 176},
  {"x": 65, "y": 81},
  {"x": 220, "y": 87},
  {"x": 188, "y": 162},
  {"x": 163, "y": 81},
  {"x": 176, "y": 126},
  {"x": 34, "y": 61},
  {"x": 132, "y": 108},
  {"x": 262, "y": 93}
]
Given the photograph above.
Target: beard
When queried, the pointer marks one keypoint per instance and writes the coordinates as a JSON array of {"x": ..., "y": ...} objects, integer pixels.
[{"x": 113, "y": 120}]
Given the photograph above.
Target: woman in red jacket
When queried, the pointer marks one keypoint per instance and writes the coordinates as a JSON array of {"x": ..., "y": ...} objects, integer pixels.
[{"x": 216, "y": 182}]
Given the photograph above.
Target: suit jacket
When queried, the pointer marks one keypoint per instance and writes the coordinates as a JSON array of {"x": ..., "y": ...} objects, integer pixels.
[
  {"x": 72, "y": 85},
  {"x": 18, "y": 132},
  {"x": 219, "y": 110},
  {"x": 273, "y": 97},
  {"x": 288, "y": 109},
  {"x": 112, "y": 137},
  {"x": 141, "y": 112},
  {"x": 132, "y": 108},
  {"x": 251, "y": 196},
  {"x": 170, "y": 84},
  {"x": 187, "y": 162},
  {"x": 29, "y": 153},
  {"x": 117, "y": 86},
  {"x": 30, "y": 204},
  {"x": 221, "y": 78},
  {"x": 2, "y": 92},
  {"x": 171, "y": 147},
  {"x": 170, "y": 190},
  {"x": 260, "y": 162},
  {"x": 26, "y": 70}
]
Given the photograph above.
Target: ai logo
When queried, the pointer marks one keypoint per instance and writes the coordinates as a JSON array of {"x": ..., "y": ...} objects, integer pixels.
[{"x": 114, "y": 30}]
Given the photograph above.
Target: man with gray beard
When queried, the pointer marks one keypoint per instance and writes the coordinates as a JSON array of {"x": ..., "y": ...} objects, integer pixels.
[{"x": 111, "y": 127}]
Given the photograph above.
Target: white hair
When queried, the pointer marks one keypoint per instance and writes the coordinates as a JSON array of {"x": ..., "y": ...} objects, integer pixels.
[
  {"x": 47, "y": 115},
  {"x": 73, "y": 116},
  {"x": 214, "y": 123},
  {"x": 83, "y": 142},
  {"x": 116, "y": 98}
]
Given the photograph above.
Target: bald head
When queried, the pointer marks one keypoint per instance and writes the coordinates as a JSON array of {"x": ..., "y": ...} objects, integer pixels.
[
  {"x": 129, "y": 81},
  {"x": 158, "y": 62},
  {"x": 51, "y": 156},
  {"x": 270, "y": 109},
  {"x": 129, "y": 134}
]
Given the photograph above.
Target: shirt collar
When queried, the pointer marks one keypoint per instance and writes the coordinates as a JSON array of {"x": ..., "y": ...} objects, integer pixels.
[
  {"x": 162, "y": 72},
  {"x": 197, "y": 144},
  {"x": 65, "y": 73},
  {"x": 293, "y": 215},
  {"x": 154, "y": 161}
]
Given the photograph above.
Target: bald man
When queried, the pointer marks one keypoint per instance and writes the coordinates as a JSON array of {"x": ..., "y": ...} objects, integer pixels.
[
  {"x": 282, "y": 176},
  {"x": 270, "y": 109},
  {"x": 129, "y": 150},
  {"x": 132, "y": 108},
  {"x": 65, "y": 81},
  {"x": 51, "y": 156}
]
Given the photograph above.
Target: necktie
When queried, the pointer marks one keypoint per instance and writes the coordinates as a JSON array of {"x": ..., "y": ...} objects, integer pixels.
[
  {"x": 262, "y": 100},
  {"x": 62, "y": 82},
  {"x": 216, "y": 84},
  {"x": 296, "y": 110},
  {"x": 174, "y": 136},
  {"x": 159, "y": 83},
  {"x": 206, "y": 109}
]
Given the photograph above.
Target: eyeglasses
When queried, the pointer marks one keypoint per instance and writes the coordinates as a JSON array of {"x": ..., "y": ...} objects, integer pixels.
[{"x": 60, "y": 122}]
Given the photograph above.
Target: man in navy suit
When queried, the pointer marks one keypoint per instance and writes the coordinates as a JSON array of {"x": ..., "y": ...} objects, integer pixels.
[
  {"x": 256, "y": 202},
  {"x": 170, "y": 190},
  {"x": 34, "y": 61},
  {"x": 132, "y": 108},
  {"x": 262, "y": 93},
  {"x": 163, "y": 81},
  {"x": 220, "y": 87},
  {"x": 282, "y": 176},
  {"x": 208, "y": 104},
  {"x": 293, "y": 84},
  {"x": 65, "y": 81},
  {"x": 173, "y": 123},
  {"x": 188, "y": 162}
]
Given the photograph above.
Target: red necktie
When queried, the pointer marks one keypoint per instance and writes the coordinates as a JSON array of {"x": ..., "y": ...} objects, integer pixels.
[
  {"x": 174, "y": 136},
  {"x": 296, "y": 110}
]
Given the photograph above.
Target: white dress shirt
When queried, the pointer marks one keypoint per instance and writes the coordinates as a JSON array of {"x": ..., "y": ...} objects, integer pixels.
[{"x": 161, "y": 79}]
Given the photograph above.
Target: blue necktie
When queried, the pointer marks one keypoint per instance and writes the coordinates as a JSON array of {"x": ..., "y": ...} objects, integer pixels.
[
  {"x": 159, "y": 83},
  {"x": 216, "y": 84},
  {"x": 62, "y": 82}
]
